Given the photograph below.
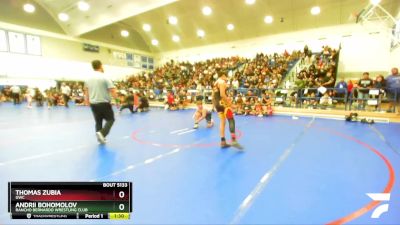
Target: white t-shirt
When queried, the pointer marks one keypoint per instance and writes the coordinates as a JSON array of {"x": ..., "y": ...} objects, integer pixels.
[
  {"x": 30, "y": 92},
  {"x": 235, "y": 84},
  {"x": 65, "y": 90},
  {"x": 15, "y": 89}
]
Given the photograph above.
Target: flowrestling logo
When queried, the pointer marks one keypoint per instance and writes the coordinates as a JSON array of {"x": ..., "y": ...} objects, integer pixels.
[{"x": 383, "y": 197}]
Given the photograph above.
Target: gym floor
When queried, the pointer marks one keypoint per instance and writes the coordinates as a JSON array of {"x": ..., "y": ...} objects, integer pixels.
[{"x": 293, "y": 170}]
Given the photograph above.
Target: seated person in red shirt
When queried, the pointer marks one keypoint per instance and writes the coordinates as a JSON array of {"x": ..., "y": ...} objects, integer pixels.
[{"x": 171, "y": 101}]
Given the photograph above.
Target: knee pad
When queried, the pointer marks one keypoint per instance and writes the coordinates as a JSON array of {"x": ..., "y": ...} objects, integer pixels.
[{"x": 208, "y": 117}]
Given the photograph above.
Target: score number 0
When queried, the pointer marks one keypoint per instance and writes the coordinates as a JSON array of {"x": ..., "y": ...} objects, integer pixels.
[{"x": 121, "y": 195}]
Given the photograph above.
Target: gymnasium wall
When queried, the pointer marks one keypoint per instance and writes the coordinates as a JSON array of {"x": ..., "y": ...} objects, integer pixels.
[
  {"x": 395, "y": 57},
  {"x": 62, "y": 58},
  {"x": 362, "y": 48}
]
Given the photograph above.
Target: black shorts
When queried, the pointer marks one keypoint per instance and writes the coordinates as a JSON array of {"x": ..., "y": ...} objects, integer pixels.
[{"x": 219, "y": 108}]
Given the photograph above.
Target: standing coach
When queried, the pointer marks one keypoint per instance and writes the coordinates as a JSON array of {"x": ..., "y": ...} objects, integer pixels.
[{"x": 98, "y": 91}]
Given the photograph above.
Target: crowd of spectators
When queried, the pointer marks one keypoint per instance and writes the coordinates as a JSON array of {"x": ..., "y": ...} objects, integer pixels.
[
  {"x": 317, "y": 78},
  {"x": 318, "y": 73},
  {"x": 180, "y": 83},
  {"x": 253, "y": 82},
  {"x": 261, "y": 72},
  {"x": 358, "y": 94},
  {"x": 373, "y": 92},
  {"x": 54, "y": 96}
]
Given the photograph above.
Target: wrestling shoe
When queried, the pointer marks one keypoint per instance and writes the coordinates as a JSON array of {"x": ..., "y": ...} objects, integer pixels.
[
  {"x": 100, "y": 138},
  {"x": 236, "y": 144},
  {"x": 225, "y": 145}
]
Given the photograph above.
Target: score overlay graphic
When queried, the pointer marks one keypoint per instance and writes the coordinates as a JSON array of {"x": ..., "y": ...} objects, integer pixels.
[{"x": 70, "y": 200}]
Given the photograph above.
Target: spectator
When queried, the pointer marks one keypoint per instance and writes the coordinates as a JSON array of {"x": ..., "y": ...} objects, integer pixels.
[
  {"x": 50, "y": 98},
  {"x": 341, "y": 88},
  {"x": 325, "y": 100},
  {"x": 16, "y": 94},
  {"x": 364, "y": 84},
  {"x": 258, "y": 111},
  {"x": 171, "y": 105},
  {"x": 350, "y": 87},
  {"x": 379, "y": 84},
  {"x": 247, "y": 107},
  {"x": 311, "y": 100},
  {"x": 38, "y": 97},
  {"x": 66, "y": 92},
  {"x": 393, "y": 89},
  {"x": 306, "y": 50},
  {"x": 235, "y": 84},
  {"x": 239, "y": 109},
  {"x": 30, "y": 93},
  {"x": 329, "y": 80}
]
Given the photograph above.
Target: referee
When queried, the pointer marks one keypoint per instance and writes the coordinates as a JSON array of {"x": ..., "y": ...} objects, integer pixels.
[{"x": 98, "y": 91}]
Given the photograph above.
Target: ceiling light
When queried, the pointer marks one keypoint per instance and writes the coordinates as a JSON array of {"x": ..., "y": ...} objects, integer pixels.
[
  {"x": 124, "y": 33},
  {"x": 315, "y": 10},
  {"x": 207, "y": 10},
  {"x": 83, "y": 6},
  {"x": 230, "y": 26},
  {"x": 63, "y": 17},
  {"x": 250, "y": 2},
  {"x": 172, "y": 20},
  {"x": 146, "y": 27},
  {"x": 176, "y": 38},
  {"x": 201, "y": 33},
  {"x": 29, "y": 8},
  {"x": 375, "y": 2},
  {"x": 268, "y": 19},
  {"x": 154, "y": 42}
]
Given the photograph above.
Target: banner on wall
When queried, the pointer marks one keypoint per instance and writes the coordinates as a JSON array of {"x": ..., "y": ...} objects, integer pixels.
[
  {"x": 119, "y": 55},
  {"x": 129, "y": 56},
  {"x": 137, "y": 61},
  {"x": 17, "y": 42},
  {"x": 91, "y": 48},
  {"x": 3, "y": 41},
  {"x": 20, "y": 43},
  {"x": 133, "y": 60},
  {"x": 33, "y": 45}
]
